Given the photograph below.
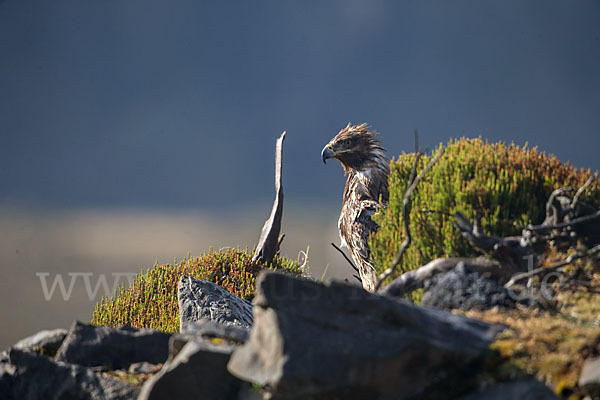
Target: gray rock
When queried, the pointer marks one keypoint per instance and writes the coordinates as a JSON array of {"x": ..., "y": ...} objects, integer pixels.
[
  {"x": 198, "y": 371},
  {"x": 463, "y": 289},
  {"x": 27, "y": 375},
  {"x": 211, "y": 329},
  {"x": 43, "y": 342},
  {"x": 589, "y": 380},
  {"x": 112, "y": 348},
  {"x": 198, "y": 356},
  {"x": 204, "y": 330},
  {"x": 339, "y": 341},
  {"x": 205, "y": 300},
  {"x": 521, "y": 390}
]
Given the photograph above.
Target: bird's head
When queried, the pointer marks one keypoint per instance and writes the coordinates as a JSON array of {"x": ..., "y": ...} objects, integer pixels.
[{"x": 355, "y": 147}]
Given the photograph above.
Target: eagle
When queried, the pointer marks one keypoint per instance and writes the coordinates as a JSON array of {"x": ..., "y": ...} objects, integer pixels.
[{"x": 367, "y": 169}]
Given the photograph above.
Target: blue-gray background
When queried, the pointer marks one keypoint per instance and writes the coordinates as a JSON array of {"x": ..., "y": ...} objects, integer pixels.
[{"x": 172, "y": 107}]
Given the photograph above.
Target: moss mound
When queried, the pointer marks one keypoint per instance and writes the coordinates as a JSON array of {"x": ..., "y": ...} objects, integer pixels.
[
  {"x": 151, "y": 301},
  {"x": 507, "y": 185}
]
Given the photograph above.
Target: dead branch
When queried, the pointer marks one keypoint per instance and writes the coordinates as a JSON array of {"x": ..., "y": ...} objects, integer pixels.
[
  {"x": 279, "y": 241},
  {"x": 567, "y": 220},
  {"x": 473, "y": 233},
  {"x": 582, "y": 189},
  {"x": 586, "y": 218},
  {"x": 552, "y": 213},
  {"x": 268, "y": 243},
  {"x": 415, "y": 279},
  {"x": 413, "y": 171},
  {"x": 552, "y": 268},
  {"x": 406, "y": 223},
  {"x": 417, "y": 148},
  {"x": 412, "y": 184},
  {"x": 511, "y": 250},
  {"x": 347, "y": 259}
]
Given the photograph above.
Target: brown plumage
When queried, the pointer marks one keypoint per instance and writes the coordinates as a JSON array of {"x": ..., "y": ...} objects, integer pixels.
[{"x": 367, "y": 168}]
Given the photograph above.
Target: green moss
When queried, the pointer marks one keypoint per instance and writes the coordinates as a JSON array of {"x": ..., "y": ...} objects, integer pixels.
[
  {"x": 151, "y": 301},
  {"x": 508, "y": 185},
  {"x": 551, "y": 346}
]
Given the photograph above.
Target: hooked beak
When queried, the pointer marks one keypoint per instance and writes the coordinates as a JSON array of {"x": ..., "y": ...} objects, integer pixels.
[{"x": 326, "y": 153}]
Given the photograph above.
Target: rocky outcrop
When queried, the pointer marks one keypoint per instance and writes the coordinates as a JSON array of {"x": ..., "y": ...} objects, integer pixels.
[
  {"x": 339, "y": 341},
  {"x": 202, "y": 300},
  {"x": 112, "y": 348},
  {"x": 81, "y": 363},
  {"x": 28, "y": 370},
  {"x": 200, "y": 355},
  {"x": 307, "y": 341},
  {"x": 27, "y": 375}
]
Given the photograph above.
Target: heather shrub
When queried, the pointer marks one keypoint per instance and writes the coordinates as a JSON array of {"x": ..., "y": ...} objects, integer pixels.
[
  {"x": 507, "y": 184},
  {"x": 151, "y": 301}
]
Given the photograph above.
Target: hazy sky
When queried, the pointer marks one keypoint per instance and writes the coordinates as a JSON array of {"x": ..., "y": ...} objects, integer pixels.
[{"x": 178, "y": 103}]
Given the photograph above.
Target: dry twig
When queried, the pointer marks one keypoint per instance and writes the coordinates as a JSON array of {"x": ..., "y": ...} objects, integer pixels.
[
  {"x": 575, "y": 221},
  {"x": 552, "y": 268},
  {"x": 582, "y": 189},
  {"x": 347, "y": 259}
]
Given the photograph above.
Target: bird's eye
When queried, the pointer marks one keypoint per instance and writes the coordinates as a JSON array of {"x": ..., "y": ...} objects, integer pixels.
[{"x": 347, "y": 142}]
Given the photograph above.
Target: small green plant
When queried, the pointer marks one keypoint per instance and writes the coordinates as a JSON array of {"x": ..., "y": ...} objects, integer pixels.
[
  {"x": 151, "y": 301},
  {"x": 507, "y": 185}
]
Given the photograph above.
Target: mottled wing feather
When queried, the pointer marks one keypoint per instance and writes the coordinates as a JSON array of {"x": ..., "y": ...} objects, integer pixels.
[{"x": 361, "y": 228}]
